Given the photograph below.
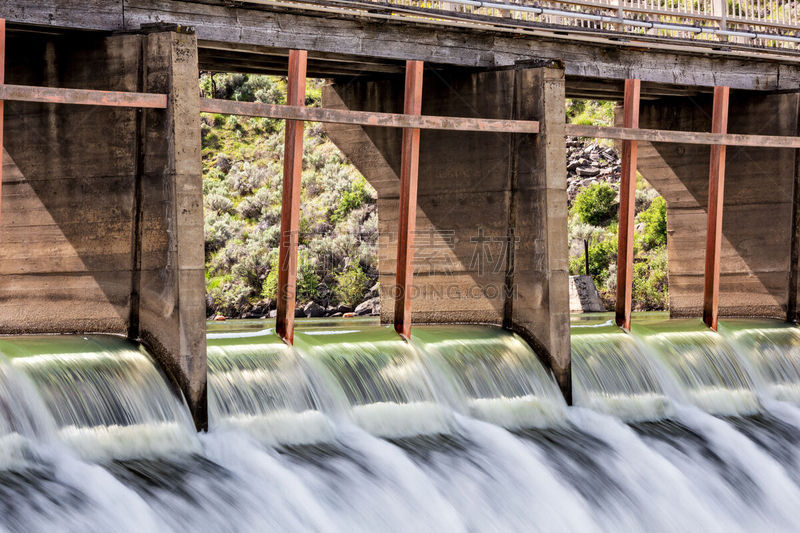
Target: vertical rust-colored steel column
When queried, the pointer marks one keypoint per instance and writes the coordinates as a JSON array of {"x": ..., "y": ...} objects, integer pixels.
[
  {"x": 290, "y": 207},
  {"x": 716, "y": 198},
  {"x": 409, "y": 169},
  {"x": 2, "y": 110},
  {"x": 627, "y": 206}
]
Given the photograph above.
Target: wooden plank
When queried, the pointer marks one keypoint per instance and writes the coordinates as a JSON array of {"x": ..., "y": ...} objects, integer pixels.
[
  {"x": 375, "y": 35},
  {"x": 217, "y": 21},
  {"x": 684, "y": 137},
  {"x": 367, "y": 118},
  {"x": 716, "y": 198},
  {"x": 290, "y": 207},
  {"x": 627, "y": 207},
  {"x": 409, "y": 168},
  {"x": 55, "y": 95}
]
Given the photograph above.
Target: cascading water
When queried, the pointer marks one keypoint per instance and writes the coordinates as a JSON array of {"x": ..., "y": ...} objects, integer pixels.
[
  {"x": 354, "y": 429},
  {"x": 611, "y": 375},
  {"x": 105, "y": 397},
  {"x": 703, "y": 365},
  {"x": 256, "y": 383}
]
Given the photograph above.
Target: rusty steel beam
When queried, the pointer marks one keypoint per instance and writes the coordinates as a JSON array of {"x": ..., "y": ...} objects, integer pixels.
[
  {"x": 627, "y": 207},
  {"x": 290, "y": 207},
  {"x": 716, "y": 199},
  {"x": 409, "y": 169},
  {"x": 2, "y": 110},
  {"x": 684, "y": 137},
  {"x": 367, "y": 118},
  {"x": 55, "y": 95}
]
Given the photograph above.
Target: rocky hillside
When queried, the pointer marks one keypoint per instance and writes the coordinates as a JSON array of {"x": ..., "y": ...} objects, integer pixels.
[
  {"x": 242, "y": 184},
  {"x": 337, "y": 264},
  {"x": 589, "y": 163}
]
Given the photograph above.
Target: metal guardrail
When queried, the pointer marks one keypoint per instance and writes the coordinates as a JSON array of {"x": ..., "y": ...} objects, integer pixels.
[{"x": 752, "y": 23}]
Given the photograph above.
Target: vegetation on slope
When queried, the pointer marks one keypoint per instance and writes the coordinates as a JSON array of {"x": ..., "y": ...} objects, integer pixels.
[
  {"x": 337, "y": 266},
  {"x": 593, "y": 217},
  {"x": 242, "y": 186}
]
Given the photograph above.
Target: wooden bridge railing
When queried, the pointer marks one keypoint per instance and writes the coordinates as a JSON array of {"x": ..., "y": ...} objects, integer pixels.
[{"x": 752, "y": 23}]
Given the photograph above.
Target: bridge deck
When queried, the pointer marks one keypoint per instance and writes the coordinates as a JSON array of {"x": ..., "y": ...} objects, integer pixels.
[{"x": 341, "y": 43}]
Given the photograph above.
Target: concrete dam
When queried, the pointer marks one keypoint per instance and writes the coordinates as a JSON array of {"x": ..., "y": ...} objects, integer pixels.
[{"x": 475, "y": 401}]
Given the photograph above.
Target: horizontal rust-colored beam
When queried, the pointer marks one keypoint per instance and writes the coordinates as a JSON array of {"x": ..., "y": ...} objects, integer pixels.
[
  {"x": 683, "y": 137},
  {"x": 367, "y": 118},
  {"x": 55, "y": 95}
]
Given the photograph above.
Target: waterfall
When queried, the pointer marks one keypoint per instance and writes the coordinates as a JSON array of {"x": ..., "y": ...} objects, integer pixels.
[{"x": 674, "y": 428}]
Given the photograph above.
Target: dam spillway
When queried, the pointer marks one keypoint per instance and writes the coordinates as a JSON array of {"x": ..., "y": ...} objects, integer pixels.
[{"x": 354, "y": 429}]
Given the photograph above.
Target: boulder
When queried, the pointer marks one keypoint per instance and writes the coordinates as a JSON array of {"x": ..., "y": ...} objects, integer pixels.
[
  {"x": 313, "y": 310},
  {"x": 374, "y": 291},
  {"x": 583, "y": 296},
  {"x": 369, "y": 307},
  {"x": 341, "y": 308},
  {"x": 273, "y": 313},
  {"x": 223, "y": 163}
]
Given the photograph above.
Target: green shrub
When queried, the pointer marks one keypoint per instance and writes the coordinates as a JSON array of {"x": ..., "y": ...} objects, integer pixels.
[
  {"x": 655, "y": 220},
  {"x": 351, "y": 285},
  {"x": 308, "y": 281},
  {"x": 597, "y": 204},
  {"x": 602, "y": 254},
  {"x": 650, "y": 276},
  {"x": 590, "y": 112},
  {"x": 351, "y": 200},
  {"x": 270, "y": 287}
]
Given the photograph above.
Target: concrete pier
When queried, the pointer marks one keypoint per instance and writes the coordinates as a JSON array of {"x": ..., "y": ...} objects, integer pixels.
[
  {"x": 102, "y": 225},
  {"x": 491, "y": 241},
  {"x": 758, "y": 275}
]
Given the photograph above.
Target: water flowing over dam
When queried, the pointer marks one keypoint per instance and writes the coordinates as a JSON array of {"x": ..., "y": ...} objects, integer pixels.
[{"x": 674, "y": 428}]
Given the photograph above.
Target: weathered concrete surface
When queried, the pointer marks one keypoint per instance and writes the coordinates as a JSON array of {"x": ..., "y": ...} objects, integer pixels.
[
  {"x": 757, "y": 229},
  {"x": 171, "y": 287},
  {"x": 583, "y": 296},
  {"x": 102, "y": 210},
  {"x": 491, "y": 243}
]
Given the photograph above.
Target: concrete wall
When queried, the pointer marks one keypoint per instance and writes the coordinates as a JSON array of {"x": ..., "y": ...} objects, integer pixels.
[
  {"x": 102, "y": 208},
  {"x": 758, "y": 236},
  {"x": 478, "y": 193}
]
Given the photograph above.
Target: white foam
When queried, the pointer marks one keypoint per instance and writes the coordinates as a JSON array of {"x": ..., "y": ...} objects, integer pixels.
[
  {"x": 331, "y": 332},
  {"x": 787, "y": 392},
  {"x": 13, "y": 448},
  {"x": 104, "y": 443},
  {"x": 527, "y": 411},
  {"x": 282, "y": 427},
  {"x": 396, "y": 420},
  {"x": 725, "y": 402},
  {"x": 629, "y": 407},
  {"x": 239, "y": 334}
]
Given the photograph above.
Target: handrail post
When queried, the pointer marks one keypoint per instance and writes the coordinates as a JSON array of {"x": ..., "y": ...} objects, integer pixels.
[
  {"x": 627, "y": 206},
  {"x": 409, "y": 169},
  {"x": 716, "y": 199},
  {"x": 290, "y": 206},
  {"x": 722, "y": 8}
]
